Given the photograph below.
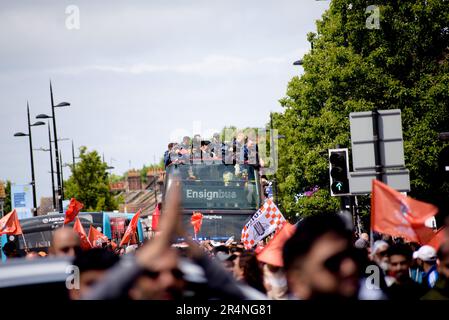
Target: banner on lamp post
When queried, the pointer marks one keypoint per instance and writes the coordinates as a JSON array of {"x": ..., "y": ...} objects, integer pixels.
[{"x": 22, "y": 200}]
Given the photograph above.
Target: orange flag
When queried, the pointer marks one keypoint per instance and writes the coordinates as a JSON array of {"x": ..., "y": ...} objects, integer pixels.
[
  {"x": 73, "y": 210},
  {"x": 397, "y": 215},
  {"x": 438, "y": 238},
  {"x": 96, "y": 238},
  {"x": 132, "y": 227},
  {"x": 78, "y": 228},
  {"x": 196, "y": 221},
  {"x": 272, "y": 253},
  {"x": 10, "y": 224}
]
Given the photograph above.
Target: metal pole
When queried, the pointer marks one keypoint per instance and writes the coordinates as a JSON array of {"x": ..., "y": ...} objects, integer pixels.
[
  {"x": 58, "y": 173},
  {"x": 273, "y": 156},
  {"x": 33, "y": 181},
  {"x": 73, "y": 155},
  {"x": 378, "y": 164},
  {"x": 62, "y": 176},
  {"x": 51, "y": 169}
]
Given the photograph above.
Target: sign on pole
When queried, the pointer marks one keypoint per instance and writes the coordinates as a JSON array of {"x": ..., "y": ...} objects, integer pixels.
[
  {"x": 363, "y": 143},
  {"x": 390, "y": 148},
  {"x": 361, "y": 182},
  {"x": 22, "y": 200}
]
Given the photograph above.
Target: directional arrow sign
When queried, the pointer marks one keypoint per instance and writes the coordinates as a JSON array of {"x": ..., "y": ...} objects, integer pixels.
[{"x": 339, "y": 186}]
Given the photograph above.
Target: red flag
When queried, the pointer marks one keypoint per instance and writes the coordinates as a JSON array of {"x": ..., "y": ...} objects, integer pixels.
[
  {"x": 272, "y": 253},
  {"x": 10, "y": 224},
  {"x": 437, "y": 239},
  {"x": 132, "y": 227},
  {"x": 96, "y": 238},
  {"x": 73, "y": 210},
  {"x": 397, "y": 215},
  {"x": 78, "y": 228},
  {"x": 196, "y": 221},
  {"x": 155, "y": 218}
]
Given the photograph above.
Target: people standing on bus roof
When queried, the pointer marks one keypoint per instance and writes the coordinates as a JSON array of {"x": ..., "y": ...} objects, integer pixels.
[
  {"x": 196, "y": 147},
  {"x": 167, "y": 158},
  {"x": 185, "y": 145}
]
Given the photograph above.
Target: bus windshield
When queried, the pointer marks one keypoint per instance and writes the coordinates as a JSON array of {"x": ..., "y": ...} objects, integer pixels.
[{"x": 217, "y": 186}]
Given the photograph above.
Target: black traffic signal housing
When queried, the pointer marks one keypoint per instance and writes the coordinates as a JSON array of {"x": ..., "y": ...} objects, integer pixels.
[{"x": 338, "y": 172}]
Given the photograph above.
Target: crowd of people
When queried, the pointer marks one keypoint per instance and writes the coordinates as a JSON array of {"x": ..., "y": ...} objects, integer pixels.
[
  {"x": 322, "y": 259},
  {"x": 241, "y": 149}
]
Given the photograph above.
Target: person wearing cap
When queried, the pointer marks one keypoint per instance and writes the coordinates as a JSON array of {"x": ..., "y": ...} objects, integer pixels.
[
  {"x": 441, "y": 289},
  {"x": 379, "y": 254},
  {"x": 426, "y": 258},
  {"x": 403, "y": 287}
]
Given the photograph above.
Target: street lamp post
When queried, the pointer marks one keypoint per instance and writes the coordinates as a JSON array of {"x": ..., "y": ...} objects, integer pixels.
[
  {"x": 51, "y": 169},
  {"x": 62, "y": 176},
  {"x": 21, "y": 134},
  {"x": 73, "y": 155},
  {"x": 58, "y": 163},
  {"x": 50, "y": 150}
]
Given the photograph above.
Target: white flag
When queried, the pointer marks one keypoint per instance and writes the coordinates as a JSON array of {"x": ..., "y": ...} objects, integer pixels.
[{"x": 265, "y": 221}]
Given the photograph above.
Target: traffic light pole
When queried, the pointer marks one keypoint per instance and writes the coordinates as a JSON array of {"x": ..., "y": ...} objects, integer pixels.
[{"x": 378, "y": 163}]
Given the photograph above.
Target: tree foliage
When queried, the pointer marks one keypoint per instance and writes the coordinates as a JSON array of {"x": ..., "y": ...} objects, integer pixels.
[
  {"x": 403, "y": 65},
  {"x": 7, "y": 205},
  {"x": 89, "y": 183}
]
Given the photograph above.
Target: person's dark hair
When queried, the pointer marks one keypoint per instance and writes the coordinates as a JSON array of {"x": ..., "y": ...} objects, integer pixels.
[
  {"x": 443, "y": 252},
  {"x": 308, "y": 231},
  {"x": 237, "y": 249},
  {"x": 221, "y": 248},
  {"x": 170, "y": 145},
  {"x": 95, "y": 259},
  {"x": 252, "y": 273},
  {"x": 10, "y": 249},
  {"x": 401, "y": 250}
]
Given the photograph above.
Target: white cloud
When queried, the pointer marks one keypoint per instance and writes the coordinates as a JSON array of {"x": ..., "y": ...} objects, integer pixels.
[{"x": 210, "y": 65}]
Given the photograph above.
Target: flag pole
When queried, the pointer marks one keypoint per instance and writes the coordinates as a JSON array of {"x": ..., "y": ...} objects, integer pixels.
[{"x": 25, "y": 243}]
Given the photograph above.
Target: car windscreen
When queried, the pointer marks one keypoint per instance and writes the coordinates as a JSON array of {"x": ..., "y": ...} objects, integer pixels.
[
  {"x": 217, "y": 186},
  {"x": 38, "y": 231},
  {"x": 218, "y": 227}
]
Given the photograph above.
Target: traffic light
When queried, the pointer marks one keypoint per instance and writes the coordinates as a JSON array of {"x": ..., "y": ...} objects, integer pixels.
[{"x": 338, "y": 172}]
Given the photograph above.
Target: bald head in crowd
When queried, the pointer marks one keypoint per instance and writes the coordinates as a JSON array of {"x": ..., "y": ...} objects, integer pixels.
[{"x": 65, "y": 242}]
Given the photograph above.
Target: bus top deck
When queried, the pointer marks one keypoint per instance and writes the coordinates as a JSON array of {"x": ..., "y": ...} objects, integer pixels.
[{"x": 226, "y": 194}]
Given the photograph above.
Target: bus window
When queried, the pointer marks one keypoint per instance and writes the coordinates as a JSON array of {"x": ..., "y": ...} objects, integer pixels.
[
  {"x": 217, "y": 186},
  {"x": 119, "y": 223}
]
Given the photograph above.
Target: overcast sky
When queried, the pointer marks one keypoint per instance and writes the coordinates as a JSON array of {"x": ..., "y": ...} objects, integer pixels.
[{"x": 139, "y": 72}]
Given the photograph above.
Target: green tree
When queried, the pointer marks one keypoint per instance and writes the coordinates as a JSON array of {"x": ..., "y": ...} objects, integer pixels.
[
  {"x": 145, "y": 168},
  {"x": 89, "y": 183},
  {"x": 7, "y": 205},
  {"x": 402, "y": 65}
]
